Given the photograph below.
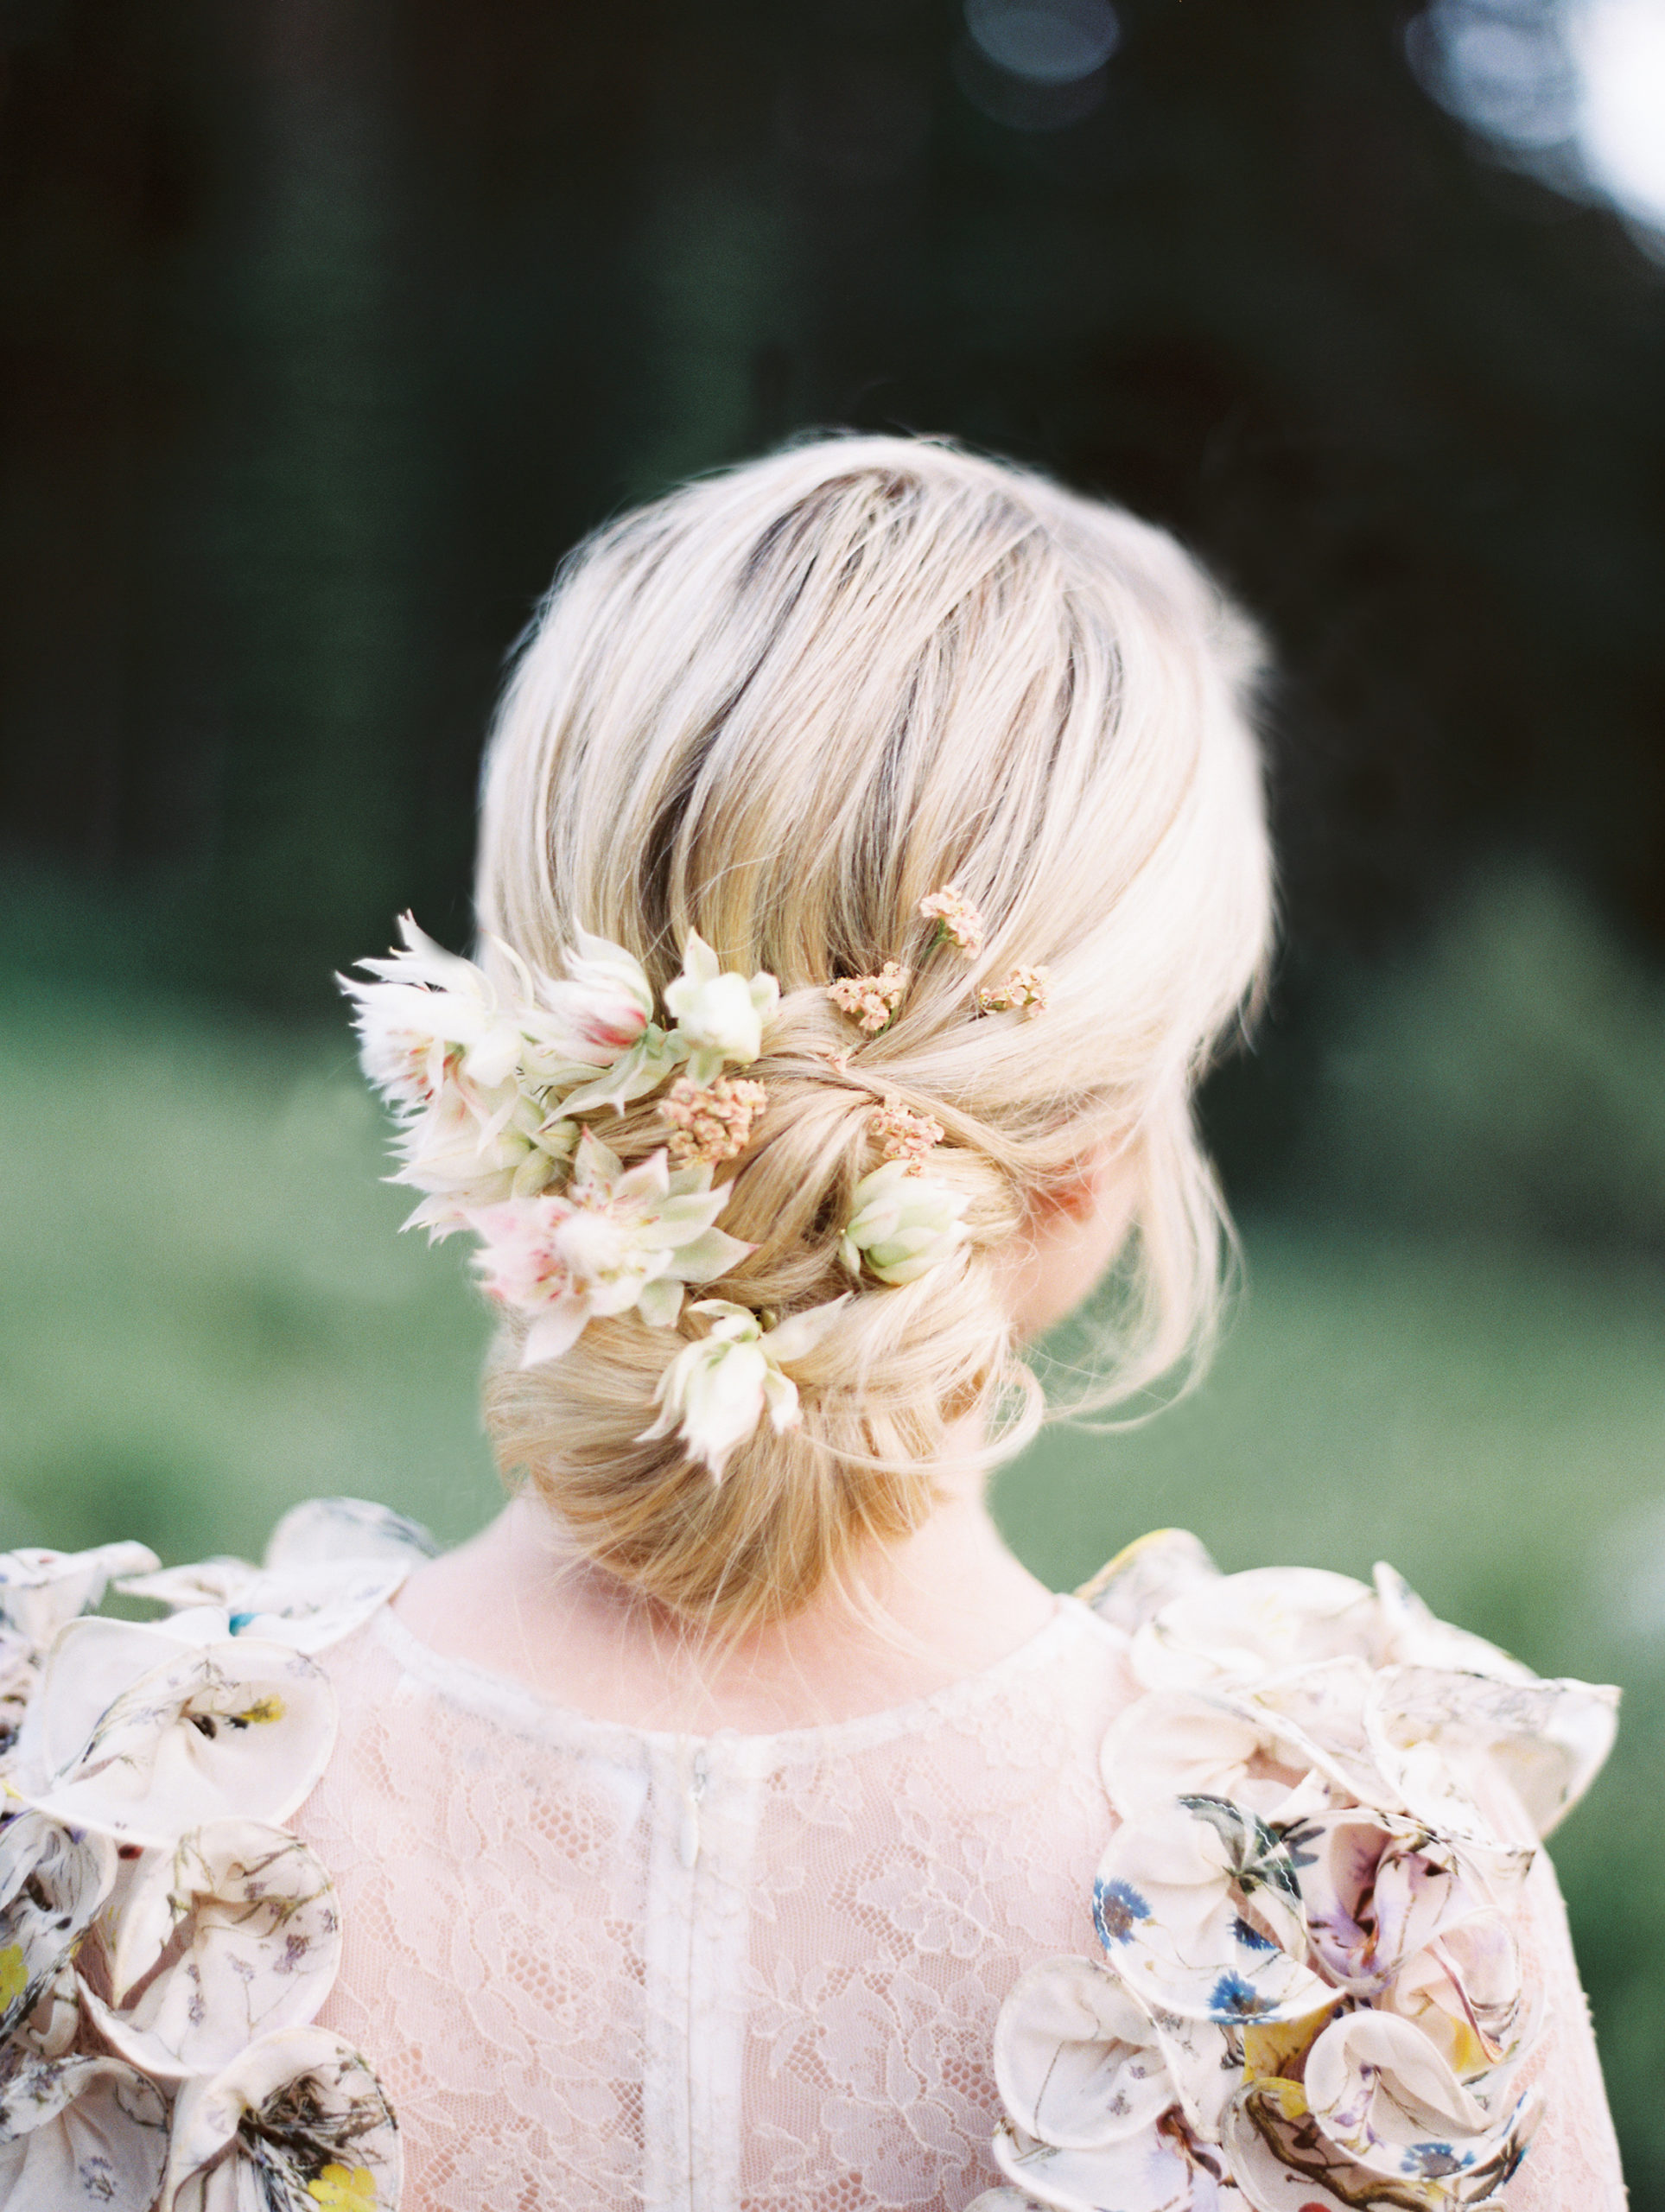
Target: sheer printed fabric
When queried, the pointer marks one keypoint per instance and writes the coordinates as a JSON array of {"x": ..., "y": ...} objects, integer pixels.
[{"x": 597, "y": 1968}]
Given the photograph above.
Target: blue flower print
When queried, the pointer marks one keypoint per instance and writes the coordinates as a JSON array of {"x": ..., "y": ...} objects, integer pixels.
[
  {"x": 1234, "y": 1998},
  {"x": 1250, "y": 1938},
  {"x": 1118, "y": 1907},
  {"x": 1431, "y": 2161}
]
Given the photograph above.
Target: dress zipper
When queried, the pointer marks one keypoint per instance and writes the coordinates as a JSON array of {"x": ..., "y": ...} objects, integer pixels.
[{"x": 688, "y": 1835}]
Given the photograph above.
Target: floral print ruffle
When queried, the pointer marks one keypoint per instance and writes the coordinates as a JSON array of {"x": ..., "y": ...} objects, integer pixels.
[
  {"x": 1309, "y": 1995},
  {"x": 165, "y": 1941}
]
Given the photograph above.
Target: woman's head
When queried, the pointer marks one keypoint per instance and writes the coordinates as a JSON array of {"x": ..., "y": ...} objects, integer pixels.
[{"x": 779, "y": 709}]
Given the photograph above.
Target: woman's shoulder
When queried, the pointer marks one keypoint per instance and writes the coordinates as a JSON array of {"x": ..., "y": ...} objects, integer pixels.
[
  {"x": 1358, "y": 1683},
  {"x": 166, "y": 1939},
  {"x": 1311, "y": 1985}
]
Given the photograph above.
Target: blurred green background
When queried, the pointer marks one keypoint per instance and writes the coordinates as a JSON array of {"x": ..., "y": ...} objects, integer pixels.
[{"x": 326, "y": 326}]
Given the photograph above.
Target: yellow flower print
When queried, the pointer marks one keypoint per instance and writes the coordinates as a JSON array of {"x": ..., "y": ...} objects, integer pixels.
[
  {"x": 1272, "y": 2046},
  {"x": 259, "y": 1714},
  {"x": 344, "y": 2188},
  {"x": 14, "y": 1975}
]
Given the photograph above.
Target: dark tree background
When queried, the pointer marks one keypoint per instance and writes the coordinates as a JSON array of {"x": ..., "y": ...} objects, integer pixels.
[{"x": 326, "y": 325}]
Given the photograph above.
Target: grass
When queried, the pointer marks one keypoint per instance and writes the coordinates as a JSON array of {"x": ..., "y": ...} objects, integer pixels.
[{"x": 211, "y": 1316}]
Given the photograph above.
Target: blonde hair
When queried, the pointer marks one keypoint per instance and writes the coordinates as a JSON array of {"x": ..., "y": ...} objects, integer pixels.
[{"x": 781, "y": 707}]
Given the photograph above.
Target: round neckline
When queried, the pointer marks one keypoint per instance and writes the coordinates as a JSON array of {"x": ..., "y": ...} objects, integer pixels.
[{"x": 517, "y": 1706}]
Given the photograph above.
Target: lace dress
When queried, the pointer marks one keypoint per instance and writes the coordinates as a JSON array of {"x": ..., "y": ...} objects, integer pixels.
[
  {"x": 598, "y": 1968},
  {"x": 1221, "y": 1894}
]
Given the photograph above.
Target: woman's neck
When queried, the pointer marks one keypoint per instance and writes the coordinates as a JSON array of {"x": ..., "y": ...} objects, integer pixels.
[{"x": 947, "y": 1602}]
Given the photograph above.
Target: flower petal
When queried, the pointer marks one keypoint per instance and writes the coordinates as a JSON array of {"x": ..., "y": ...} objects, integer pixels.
[
  {"x": 712, "y": 1253},
  {"x": 81, "y": 2131},
  {"x": 325, "y": 1530},
  {"x": 41, "y": 1590},
  {"x": 796, "y": 1337},
  {"x": 700, "y": 963},
  {"x": 1548, "y": 1739},
  {"x": 1144, "y": 1575},
  {"x": 1174, "y": 1742},
  {"x": 92, "y": 1662},
  {"x": 311, "y": 1608},
  {"x": 555, "y": 1331},
  {"x": 1280, "y": 2162},
  {"x": 736, "y": 1323},
  {"x": 1413, "y": 1636},
  {"x": 234, "y": 1934},
  {"x": 902, "y": 1224},
  {"x": 242, "y": 1726},
  {"x": 1147, "y": 2173},
  {"x": 430, "y": 962},
  {"x": 52, "y": 1883},
  {"x": 1198, "y": 1909},
  {"x": 1076, "y": 2058},
  {"x": 293, "y": 2104},
  {"x": 780, "y": 1396},
  {"x": 687, "y": 1215},
  {"x": 647, "y": 1063},
  {"x": 661, "y": 1302},
  {"x": 718, "y": 1014},
  {"x": 712, "y": 1395},
  {"x": 603, "y": 1004},
  {"x": 594, "y": 1162},
  {"x": 1379, "y": 2091},
  {"x": 1244, "y": 1627}
]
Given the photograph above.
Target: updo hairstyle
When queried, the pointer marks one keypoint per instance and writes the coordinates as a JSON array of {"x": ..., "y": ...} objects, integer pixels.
[{"x": 781, "y": 707}]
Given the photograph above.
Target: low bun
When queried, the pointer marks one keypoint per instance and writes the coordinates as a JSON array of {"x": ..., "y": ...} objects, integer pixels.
[
  {"x": 895, "y": 1368},
  {"x": 813, "y": 711}
]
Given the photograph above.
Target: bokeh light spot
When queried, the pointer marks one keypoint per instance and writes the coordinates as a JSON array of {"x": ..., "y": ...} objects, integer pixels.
[
  {"x": 1045, "y": 41},
  {"x": 1619, "y": 47}
]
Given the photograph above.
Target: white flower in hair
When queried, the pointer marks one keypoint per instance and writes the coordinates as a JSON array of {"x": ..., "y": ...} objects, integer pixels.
[
  {"x": 904, "y": 1223},
  {"x": 474, "y": 1073},
  {"x": 719, "y": 1012},
  {"x": 473, "y": 1148},
  {"x": 716, "y": 1391},
  {"x": 605, "y": 1003},
  {"x": 463, "y": 1070},
  {"x": 434, "y": 1017},
  {"x": 652, "y": 1060},
  {"x": 619, "y": 1237}
]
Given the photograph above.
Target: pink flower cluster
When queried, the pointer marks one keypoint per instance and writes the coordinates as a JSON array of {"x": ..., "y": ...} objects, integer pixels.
[
  {"x": 903, "y": 1135},
  {"x": 712, "y": 1121},
  {"x": 1024, "y": 991},
  {"x": 957, "y": 919},
  {"x": 872, "y": 1001}
]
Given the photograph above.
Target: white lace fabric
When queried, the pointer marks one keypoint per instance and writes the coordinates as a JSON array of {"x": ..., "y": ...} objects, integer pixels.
[
  {"x": 1573, "y": 2159},
  {"x": 599, "y": 1967}
]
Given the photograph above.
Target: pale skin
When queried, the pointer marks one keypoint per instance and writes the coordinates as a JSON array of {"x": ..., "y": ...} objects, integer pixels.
[{"x": 951, "y": 1600}]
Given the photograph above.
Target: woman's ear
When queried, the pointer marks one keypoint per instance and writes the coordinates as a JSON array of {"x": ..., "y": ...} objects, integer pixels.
[
  {"x": 1082, "y": 1197},
  {"x": 1073, "y": 1235}
]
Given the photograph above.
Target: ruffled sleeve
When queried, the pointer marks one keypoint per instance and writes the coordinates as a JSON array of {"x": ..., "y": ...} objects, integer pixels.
[
  {"x": 1334, "y": 1969},
  {"x": 165, "y": 1941}
]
